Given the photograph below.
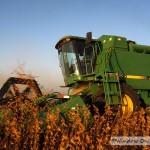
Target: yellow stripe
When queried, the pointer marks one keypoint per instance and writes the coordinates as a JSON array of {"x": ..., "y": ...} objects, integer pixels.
[{"x": 135, "y": 77}]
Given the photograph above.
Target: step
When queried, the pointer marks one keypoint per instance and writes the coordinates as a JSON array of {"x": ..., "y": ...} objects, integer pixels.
[
  {"x": 110, "y": 81},
  {"x": 112, "y": 93}
]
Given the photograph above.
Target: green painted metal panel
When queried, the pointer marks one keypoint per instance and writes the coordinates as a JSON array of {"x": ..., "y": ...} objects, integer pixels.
[
  {"x": 139, "y": 84},
  {"x": 130, "y": 63},
  {"x": 75, "y": 101},
  {"x": 113, "y": 41},
  {"x": 145, "y": 96}
]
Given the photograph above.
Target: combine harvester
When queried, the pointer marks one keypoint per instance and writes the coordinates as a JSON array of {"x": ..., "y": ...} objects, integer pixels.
[{"x": 109, "y": 70}]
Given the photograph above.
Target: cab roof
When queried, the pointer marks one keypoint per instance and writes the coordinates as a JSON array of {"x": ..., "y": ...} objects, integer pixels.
[{"x": 69, "y": 38}]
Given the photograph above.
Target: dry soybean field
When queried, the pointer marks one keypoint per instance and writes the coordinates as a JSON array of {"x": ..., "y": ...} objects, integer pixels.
[{"x": 21, "y": 128}]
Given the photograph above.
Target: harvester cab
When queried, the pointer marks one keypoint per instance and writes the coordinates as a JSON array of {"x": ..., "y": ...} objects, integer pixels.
[{"x": 77, "y": 58}]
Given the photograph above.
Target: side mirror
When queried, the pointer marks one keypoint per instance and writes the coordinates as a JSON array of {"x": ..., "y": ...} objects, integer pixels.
[{"x": 88, "y": 37}]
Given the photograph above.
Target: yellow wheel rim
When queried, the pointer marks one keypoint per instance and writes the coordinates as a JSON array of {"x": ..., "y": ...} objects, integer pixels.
[{"x": 127, "y": 107}]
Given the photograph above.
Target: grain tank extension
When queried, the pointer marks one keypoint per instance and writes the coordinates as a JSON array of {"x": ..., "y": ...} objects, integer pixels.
[{"x": 110, "y": 70}]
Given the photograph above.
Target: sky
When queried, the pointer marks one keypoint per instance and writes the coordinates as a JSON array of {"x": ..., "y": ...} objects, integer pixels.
[{"x": 29, "y": 30}]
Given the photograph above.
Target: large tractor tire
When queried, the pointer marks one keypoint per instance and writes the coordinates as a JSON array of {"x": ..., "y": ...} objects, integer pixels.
[{"x": 131, "y": 100}]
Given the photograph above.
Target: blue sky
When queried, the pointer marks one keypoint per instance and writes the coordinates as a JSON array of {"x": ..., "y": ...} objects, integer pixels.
[{"x": 29, "y": 30}]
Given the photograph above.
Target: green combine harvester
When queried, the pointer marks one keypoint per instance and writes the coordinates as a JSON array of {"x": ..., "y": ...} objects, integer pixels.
[{"x": 110, "y": 70}]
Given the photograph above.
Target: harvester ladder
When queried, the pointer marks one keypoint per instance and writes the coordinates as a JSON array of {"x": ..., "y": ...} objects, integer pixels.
[
  {"x": 111, "y": 85},
  {"x": 112, "y": 88}
]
